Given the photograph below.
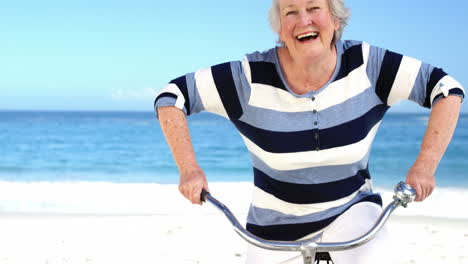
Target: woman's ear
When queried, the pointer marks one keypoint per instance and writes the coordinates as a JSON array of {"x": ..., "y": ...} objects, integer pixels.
[{"x": 336, "y": 21}]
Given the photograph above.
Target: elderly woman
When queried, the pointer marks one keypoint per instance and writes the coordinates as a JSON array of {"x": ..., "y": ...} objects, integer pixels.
[{"x": 308, "y": 112}]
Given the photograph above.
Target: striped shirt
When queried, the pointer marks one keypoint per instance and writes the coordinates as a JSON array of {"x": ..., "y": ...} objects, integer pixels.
[{"x": 309, "y": 152}]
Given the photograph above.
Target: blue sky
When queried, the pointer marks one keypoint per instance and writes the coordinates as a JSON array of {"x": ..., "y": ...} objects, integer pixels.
[{"x": 113, "y": 55}]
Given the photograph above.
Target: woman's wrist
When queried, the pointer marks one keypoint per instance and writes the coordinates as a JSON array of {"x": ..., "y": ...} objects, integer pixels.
[
  {"x": 188, "y": 167},
  {"x": 426, "y": 163}
]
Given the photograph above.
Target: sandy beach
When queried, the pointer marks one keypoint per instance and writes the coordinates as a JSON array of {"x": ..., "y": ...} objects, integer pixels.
[{"x": 178, "y": 232}]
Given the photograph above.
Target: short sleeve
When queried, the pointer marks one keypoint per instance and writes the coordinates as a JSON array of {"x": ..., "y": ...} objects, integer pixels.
[
  {"x": 181, "y": 93},
  {"x": 404, "y": 78},
  {"x": 215, "y": 89}
]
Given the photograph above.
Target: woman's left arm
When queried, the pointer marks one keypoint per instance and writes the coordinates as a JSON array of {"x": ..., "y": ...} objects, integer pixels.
[{"x": 440, "y": 129}]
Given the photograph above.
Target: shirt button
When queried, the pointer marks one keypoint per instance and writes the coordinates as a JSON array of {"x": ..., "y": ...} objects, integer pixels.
[
  {"x": 315, "y": 123},
  {"x": 313, "y": 98},
  {"x": 315, "y": 111}
]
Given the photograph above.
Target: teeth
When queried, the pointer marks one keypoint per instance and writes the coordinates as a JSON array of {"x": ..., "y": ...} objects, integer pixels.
[{"x": 310, "y": 34}]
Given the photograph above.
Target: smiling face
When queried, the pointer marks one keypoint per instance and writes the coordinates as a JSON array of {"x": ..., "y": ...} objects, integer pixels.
[{"x": 307, "y": 27}]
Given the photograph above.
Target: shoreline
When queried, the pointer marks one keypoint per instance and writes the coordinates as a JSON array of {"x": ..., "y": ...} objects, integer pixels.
[{"x": 105, "y": 198}]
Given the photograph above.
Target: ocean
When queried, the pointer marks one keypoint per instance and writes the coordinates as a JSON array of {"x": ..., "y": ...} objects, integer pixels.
[{"x": 97, "y": 148}]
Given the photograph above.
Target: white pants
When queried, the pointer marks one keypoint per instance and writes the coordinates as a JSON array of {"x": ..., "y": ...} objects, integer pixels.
[{"x": 351, "y": 224}]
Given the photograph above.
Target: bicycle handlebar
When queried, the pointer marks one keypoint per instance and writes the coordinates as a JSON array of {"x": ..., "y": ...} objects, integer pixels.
[{"x": 404, "y": 194}]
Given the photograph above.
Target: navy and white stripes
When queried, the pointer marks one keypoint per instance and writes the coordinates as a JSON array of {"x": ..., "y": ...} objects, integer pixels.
[{"x": 309, "y": 152}]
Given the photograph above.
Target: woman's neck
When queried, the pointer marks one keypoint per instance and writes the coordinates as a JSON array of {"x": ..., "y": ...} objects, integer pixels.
[{"x": 306, "y": 75}]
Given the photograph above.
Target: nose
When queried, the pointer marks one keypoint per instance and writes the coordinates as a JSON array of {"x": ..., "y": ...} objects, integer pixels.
[{"x": 305, "y": 18}]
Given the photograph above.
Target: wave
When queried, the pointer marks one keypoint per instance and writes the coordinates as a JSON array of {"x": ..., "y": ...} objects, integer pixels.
[
  {"x": 80, "y": 197},
  {"x": 156, "y": 199}
]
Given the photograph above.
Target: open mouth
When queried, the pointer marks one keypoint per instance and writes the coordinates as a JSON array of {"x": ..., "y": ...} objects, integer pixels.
[{"x": 307, "y": 36}]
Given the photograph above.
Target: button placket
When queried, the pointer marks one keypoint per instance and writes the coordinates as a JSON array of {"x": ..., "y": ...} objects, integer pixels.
[
  {"x": 314, "y": 110},
  {"x": 315, "y": 123},
  {"x": 317, "y": 139}
]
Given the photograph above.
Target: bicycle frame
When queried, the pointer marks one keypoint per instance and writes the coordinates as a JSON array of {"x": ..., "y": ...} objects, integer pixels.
[{"x": 404, "y": 194}]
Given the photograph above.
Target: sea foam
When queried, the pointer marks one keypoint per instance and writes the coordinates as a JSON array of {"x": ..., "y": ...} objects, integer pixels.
[{"x": 154, "y": 199}]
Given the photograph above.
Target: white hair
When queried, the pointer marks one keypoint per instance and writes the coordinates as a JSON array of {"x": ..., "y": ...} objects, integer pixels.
[{"x": 337, "y": 10}]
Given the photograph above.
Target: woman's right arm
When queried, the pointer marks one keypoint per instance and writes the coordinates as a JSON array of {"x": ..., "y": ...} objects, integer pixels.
[
  {"x": 188, "y": 95},
  {"x": 192, "y": 178}
]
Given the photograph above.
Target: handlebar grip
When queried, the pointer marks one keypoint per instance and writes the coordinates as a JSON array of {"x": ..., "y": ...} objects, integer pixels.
[
  {"x": 203, "y": 195},
  {"x": 405, "y": 193}
]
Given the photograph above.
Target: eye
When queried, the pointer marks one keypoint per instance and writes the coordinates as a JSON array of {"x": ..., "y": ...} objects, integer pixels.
[
  {"x": 292, "y": 12},
  {"x": 313, "y": 8}
]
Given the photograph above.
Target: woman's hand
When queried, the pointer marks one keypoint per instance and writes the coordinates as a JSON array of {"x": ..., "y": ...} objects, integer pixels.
[
  {"x": 192, "y": 181},
  {"x": 422, "y": 180}
]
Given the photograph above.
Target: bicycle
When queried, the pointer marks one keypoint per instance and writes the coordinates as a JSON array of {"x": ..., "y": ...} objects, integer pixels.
[{"x": 311, "y": 250}]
